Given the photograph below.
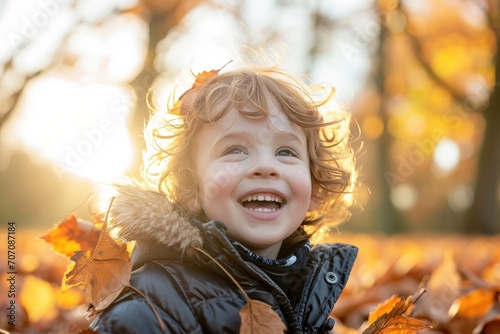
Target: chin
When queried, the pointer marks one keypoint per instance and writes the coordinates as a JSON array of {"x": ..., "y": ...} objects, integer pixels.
[{"x": 262, "y": 244}]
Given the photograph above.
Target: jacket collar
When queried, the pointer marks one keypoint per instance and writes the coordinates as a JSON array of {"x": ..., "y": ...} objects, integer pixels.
[{"x": 148, "y": 217}]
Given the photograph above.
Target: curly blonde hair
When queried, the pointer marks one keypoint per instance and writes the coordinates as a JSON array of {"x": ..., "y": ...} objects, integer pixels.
[{"x": 169, "y": 162}]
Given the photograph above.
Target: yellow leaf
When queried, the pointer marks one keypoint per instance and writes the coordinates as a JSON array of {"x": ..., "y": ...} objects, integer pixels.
[
  {"x": 37, "y": 298},
  {"x": 69, "y": 299}
]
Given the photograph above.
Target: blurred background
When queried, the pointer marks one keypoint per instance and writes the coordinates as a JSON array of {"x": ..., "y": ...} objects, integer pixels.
[{"x": 419, "y": 78}]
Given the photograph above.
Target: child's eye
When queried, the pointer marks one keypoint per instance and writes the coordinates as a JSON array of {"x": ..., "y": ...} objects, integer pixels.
[
  {"x": 286, "y": 152},
  {"x": 234, "y": 150}
]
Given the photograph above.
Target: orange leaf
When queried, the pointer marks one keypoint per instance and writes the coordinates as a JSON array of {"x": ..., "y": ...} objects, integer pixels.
[
  {"x": 71, "y": 235},
  {"x": 383, "y": 308},
  {"x": 475, "y": 304},
  {"x": 259, "y": 318},
  {"x": 104, "y": 270},
  {"x": 203, "y": 77},
  {"x": 199, "y": 79},
  {"x": 403, "y": 325},
  {"x": 392, "y": 317}
]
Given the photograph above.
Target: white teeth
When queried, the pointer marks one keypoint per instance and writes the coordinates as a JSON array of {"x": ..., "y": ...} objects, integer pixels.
[
  {"x": 263, "y": 210},
  {"x": 261, "y": 198}
]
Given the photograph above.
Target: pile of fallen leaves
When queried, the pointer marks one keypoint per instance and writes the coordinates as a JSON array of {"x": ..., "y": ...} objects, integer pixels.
[
  {"x": 400, "y": 284},
  {"x": 460, "y": 275}
]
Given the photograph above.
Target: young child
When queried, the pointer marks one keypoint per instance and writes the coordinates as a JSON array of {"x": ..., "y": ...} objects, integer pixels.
[{"x": 245, "y": 167}]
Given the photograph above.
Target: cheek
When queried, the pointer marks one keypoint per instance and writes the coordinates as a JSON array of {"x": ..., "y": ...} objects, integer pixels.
[
  {"x": 303, "y": 187},
  {"x": 218, "y": 181},
  {"x": 303, "y": 181}
]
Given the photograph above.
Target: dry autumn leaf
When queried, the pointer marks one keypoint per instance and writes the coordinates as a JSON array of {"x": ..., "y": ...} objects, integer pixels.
[
  {"x": 72, "y": 235},
  {"x": 259, "y": 318},
  {"x": 402, "y": 325},
  {"x": 443, "y": 285},
  {"x": 383, "y": 308},
  {"x": 100, "y": 264},
  {"x": 392, "y": 316},
  {"x": 475, "y": 304},
  {"x": 88, "y": 331},
  {"x": 105, "y": 271},
  {"x": 490, "y": 327},
  {"x": 200, "y": 79}
]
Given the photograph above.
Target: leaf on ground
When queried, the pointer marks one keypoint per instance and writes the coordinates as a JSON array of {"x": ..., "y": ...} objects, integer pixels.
[
  {"x": 72, "y": 235},
  {"x": 384, "y": 308},
  {"x": 392, "y": 316},
  {"x": 475, "y": 304},
  {"x": 443, "y": 285},
  {"x": 403, "y": 325},
  {"x": 259, "y": 318},
  {"x": 36, "y": 289},
  {"x": 104, "y": 271},
  {"x": 490, "y": 327}
]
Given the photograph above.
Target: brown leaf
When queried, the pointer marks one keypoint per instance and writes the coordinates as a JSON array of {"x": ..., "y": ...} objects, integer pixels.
[
  {"x": 72, "y": 235},
  {"x": 491, "y": 327},
  {"x": 259, "y": 318},
  {"x": 104, "y": 271},
  {"x": 392, "y": 317},
  {"x": 88, "y": 331},
  {"x": 403, "y": 325}
]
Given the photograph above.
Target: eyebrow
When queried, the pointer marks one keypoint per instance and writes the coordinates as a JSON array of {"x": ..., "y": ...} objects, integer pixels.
[{"x": 238, "y": 135}]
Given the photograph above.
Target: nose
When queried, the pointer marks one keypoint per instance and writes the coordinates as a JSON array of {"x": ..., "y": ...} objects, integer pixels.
[{"x": 264, "y": 166}]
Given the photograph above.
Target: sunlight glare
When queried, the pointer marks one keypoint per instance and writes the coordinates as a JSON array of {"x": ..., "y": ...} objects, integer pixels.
[
  {"x": 446, "y": 155},
  {"x": 204, "y": 44},
  {"x": 460, "y": 197},
  {"x": 80, "y": 128},
  {"x": 404, "y": 196}
]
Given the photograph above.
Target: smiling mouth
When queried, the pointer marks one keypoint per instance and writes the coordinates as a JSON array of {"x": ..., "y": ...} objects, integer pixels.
[{"x": 262, "y": 202}]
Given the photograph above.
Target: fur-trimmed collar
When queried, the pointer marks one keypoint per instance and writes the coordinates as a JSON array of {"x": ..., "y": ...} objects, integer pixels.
[{"x": 147, "y": 216}]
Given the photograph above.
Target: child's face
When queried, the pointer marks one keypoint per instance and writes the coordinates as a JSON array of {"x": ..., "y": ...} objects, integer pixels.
[{"x": 254, "y": 177}]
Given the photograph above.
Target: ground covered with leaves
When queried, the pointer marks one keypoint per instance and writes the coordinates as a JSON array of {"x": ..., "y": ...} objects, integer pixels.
[{"x": 400, "y": 284}]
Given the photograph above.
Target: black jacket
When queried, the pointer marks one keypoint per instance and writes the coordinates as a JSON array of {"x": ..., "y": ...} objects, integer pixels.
[{"x": 193, "y": 295}]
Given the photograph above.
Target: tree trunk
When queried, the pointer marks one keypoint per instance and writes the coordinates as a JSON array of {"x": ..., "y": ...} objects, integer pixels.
[
  {"x": 388, "y": 217},
  {"x": 484, "y": 217}
]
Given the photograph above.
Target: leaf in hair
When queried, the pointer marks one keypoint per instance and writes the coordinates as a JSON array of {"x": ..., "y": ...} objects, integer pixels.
[{"x": 200, "y": 79}]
